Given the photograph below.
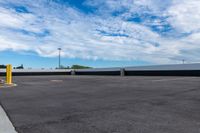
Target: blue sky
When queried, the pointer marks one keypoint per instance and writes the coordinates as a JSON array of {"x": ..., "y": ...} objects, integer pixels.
[{"x": 99, "y": 33}]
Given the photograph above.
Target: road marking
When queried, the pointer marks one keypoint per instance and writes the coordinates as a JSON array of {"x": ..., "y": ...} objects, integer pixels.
[
  {"x": 5, "y": 124},
  {"x": 173, "y": 79},
  {"x": 56, "y": 80}
]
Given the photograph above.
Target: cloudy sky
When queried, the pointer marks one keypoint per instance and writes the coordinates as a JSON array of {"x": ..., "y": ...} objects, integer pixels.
[{"x": 99, "y": 33}]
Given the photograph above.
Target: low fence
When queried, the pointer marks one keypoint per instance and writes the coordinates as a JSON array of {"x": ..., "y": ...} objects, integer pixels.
[
  {"x": 36, "y": 72},
  {"x": 164, "y": 70},
  {"x": 164, "y": 73},
  {"x": 111, "y": 73}
]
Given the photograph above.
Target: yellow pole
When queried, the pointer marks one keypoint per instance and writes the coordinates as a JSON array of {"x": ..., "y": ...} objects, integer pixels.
[{"x": 9, "y": 74}]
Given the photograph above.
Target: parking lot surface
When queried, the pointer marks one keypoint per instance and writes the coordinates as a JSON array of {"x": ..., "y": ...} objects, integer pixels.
[{"x": 103, "y": 104}]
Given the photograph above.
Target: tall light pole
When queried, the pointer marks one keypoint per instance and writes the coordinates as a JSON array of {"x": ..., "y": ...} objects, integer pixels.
[{"x": 59, "y": 61}]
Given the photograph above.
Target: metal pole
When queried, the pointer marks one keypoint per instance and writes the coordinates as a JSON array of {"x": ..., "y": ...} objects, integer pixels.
[
  {"x": 183, "y": 61},
  {"x": 122, "y": 72},
  {"x": 9, "y": 74},
  {"x": 59, "y": 60}
]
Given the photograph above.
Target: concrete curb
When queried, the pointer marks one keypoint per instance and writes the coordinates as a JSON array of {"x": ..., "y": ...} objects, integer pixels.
[
  {"x": 5, "y": 124},
  {"x": 7, "y": 85}
]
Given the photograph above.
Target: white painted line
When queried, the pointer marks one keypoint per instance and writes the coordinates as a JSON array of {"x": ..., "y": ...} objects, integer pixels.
[
  {"x": 56, "y": 80},
  {"x": 173, "y": 79},
  {"x": 5, "y": 124}
]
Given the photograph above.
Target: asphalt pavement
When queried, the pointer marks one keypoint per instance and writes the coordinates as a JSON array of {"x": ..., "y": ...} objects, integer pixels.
[{"x": 103, "y": 104}]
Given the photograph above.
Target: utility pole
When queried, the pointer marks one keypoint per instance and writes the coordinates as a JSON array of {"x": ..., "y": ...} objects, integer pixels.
[
  {"x": 183, "y": 61},
  {"x": 59, "y": 60}
]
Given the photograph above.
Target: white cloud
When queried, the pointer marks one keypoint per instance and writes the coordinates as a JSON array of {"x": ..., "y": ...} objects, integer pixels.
[
  {"x": 10, "y": 19},
  {"x": 185, "y": 15},
  {"x": 6, "y": 44},
  {"x": 95, "y": 37}
]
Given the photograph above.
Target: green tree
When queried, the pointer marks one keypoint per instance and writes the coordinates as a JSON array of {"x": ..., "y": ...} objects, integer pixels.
[
  {"x": 19, "y": 67},
  {"x": 79, "y": 67},
  {"x": 2, "y": 66}
]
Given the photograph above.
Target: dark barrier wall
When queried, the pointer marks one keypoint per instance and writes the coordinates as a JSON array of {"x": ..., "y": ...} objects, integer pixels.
[
  {"x": 145, "y": 73},
  {"x": 115, "y": 73},
  {"x": 2, "y": 74},
  {"x": 106, "y": 73},
  {"x": 37, "y": 73},
  {"x": 164, "y": 73}
]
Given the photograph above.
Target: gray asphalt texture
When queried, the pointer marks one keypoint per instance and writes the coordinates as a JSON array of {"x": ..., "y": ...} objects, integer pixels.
[{"x": 104, "y": 104}]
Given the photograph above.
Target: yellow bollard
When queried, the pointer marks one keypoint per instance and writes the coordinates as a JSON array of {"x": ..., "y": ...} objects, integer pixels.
[{"x": 9, "y": 74}]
